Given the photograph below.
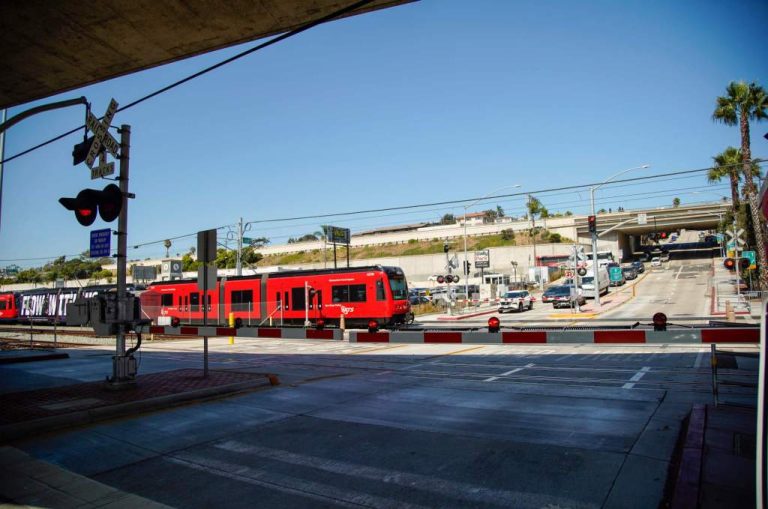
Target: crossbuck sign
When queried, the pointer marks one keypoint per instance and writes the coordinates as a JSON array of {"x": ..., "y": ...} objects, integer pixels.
[{"x": 101, "y": 137}]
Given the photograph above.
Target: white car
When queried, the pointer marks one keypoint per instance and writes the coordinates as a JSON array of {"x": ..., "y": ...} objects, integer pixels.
[
  {"x": 516, "y": 301},
  {"x": 655, "y": 261}
]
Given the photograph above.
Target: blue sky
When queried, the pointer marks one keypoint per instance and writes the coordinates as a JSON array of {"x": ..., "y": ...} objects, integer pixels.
[{"x": 427, "y": 102}]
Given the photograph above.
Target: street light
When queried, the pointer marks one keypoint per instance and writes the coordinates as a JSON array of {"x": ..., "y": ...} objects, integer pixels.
[
  {"x": 595, "y": 272},
  {"x": 466, "y": 267}
]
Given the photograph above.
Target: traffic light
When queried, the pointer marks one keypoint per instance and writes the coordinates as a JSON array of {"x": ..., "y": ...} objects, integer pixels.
[
  {"x": 663, "y": 235},
  {"x": 592, "y": 220},
  {"x": 80, "y": 151},
  {"x": 448, "y": 278},
  {"x": 744, "y": 263},
  {"x": 107, "y": 202},
  {"x": 729, "y": 263},
  {"x": 446, "y": 247},
  {"x": 467, "y": 266}
]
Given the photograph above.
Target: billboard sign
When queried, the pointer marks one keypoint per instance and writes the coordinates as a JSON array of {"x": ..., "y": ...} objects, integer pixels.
[
  {"x": 482, "y": 259},
  {"x": 337, "y": 235}
]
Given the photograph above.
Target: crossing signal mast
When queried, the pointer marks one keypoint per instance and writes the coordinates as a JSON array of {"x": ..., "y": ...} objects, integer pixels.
[{"x": 111, "y": 314}]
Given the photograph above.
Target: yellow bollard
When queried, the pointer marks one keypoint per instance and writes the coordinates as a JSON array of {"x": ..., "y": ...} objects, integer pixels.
[{"x": 231, "y": 324}]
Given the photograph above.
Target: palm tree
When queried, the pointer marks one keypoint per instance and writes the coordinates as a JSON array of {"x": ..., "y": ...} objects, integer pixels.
[
  {"x": 167, "y": 244},
  {"x": 745, "y": 102},
  {"x": 727, "y": 164}
]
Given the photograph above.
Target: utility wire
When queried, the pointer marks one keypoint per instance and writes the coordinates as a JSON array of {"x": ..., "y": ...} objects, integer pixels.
[{"x": 324, "y": 19}]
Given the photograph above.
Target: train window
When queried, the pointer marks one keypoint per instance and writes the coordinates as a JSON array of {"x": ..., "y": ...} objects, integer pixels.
[
  {"x": 319, "y": 299},
  {"x": 351, "y": 293},
  {"x": 297, "y": 294},
  {"x": 277, "y": 300},
  {"x": 399, "y": 288},
  {"x": 166, "y": 300},
  {"x": 380, "y": 293},
  {"x": 242, "y": 300},
  {"x": 2, "y": 305},
  {"x": 340, "y": 293},
  {"x": 194, "y": 298},
  {"x": 287, "y": 301},
  {"x": 357, "y": 293}
]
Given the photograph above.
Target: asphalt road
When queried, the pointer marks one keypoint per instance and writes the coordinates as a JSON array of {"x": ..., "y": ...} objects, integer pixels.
[{"x": 355, "y": 425}]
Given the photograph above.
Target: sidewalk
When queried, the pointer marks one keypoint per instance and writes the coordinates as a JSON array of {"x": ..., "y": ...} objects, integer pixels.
[
  {"x": 717, "y": 459},
  {"x": 71, "y": 404}
]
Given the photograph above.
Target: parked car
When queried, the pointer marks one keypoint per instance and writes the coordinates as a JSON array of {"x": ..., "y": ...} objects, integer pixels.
[
  {"x": 639, "y": 267},
  {"x": 551, "y": 292},
  {"x": 629, "y": 273},
  {"x": 418, "y": 299},
  {"x": 516, "y": 301},
  {"x": 564, "y": 297},
  {"x": 655, "y": 261}
]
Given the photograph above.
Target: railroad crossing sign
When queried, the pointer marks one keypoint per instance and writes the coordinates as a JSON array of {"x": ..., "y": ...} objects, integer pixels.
[
  {"x": 101, "y": 137},
  {"x": 569, "y": 273},
  {"x": 736, "y": 240}
]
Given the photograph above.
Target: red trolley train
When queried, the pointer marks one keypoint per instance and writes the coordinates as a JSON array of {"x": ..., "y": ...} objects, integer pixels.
[{"x": 360, "y": 294}]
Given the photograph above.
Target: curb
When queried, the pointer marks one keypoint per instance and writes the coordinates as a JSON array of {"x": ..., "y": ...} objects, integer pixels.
[
  {"x": 688, "y": 479},
  {"x": 19, "y": 430},
  {"x": 462, "y": 317}
]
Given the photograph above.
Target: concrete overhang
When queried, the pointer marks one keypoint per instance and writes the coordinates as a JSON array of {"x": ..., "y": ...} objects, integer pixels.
[{"x": 50, "y": 47}]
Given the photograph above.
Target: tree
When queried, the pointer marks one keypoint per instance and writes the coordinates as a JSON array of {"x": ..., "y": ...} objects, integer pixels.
[
  {"x": 744, "y": 102},
  {"x": 167, "y": 244},
  {"x": 727, "y": 165},
  {"x": 490, "y": 215},
  {"x": 448, "y": 219},
  {"x": 676, "y": 202},
  {"x": 499, "y": 211}
]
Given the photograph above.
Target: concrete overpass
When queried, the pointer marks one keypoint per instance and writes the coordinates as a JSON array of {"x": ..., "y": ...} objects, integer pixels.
[
  {"x": 622, "y": 230},
  {"x": 51, "y": 47}
]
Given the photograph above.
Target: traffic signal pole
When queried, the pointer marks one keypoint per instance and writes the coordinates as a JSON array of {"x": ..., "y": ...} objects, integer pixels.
[
  {"x": 595, "y": 272},
  {"x": 120, "y": 368}
]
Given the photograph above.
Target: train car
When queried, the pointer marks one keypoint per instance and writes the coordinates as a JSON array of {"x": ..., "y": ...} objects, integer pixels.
[
  {"x": 359, "y": 294},
  {"x": 46, "y": 305},
  {"x": 8, "y": 311}
]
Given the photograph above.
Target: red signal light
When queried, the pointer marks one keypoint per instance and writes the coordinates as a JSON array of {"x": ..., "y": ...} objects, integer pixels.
[
  {"x": 108, "y": 202},
  {"x": 320, "y": 324},
  {"x": 660, "y": 322},
  {"x": 373, "y": 326},
  {"x": 729, "y": 263},
  {"x": 494, "y": 324}
]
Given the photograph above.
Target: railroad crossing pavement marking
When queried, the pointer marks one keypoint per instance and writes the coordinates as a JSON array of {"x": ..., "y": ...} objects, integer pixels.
[
  {"x": 456, "y": 352},
  {"x": 357, "y": 352},
  {"x": 491, "y": 379},
  {"x": 636, "y": 378}
]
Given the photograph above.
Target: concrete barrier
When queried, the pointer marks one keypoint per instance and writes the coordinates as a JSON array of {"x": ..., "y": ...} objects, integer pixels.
[
  {"x": 246, "y": 332},
  {"x": 619, "y": 336}
]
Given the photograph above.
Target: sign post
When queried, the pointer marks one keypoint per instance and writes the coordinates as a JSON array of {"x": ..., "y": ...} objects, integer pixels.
[{"x": 206, "y": 278}]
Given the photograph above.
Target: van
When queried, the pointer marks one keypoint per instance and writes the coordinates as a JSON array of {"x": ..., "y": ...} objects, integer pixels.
[{"x": 588, "y": 282}]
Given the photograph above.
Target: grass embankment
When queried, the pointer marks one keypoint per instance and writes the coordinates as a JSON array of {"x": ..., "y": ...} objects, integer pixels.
[{"x": 411, "y": 248}]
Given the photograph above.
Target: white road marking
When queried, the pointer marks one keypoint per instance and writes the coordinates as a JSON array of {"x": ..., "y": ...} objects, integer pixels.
[
  {"x": 456, "y": 489},
  {"x": 491, "y": 379},
  {"x": 678, "y": 272},
  {"x": 637, "y": 376},
  {"x": 287, "y": 484},
  {"x": 699, "y": 360}
]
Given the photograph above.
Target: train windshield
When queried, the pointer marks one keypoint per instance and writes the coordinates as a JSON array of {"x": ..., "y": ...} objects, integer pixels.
[{"x": 399, "y": 288}]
